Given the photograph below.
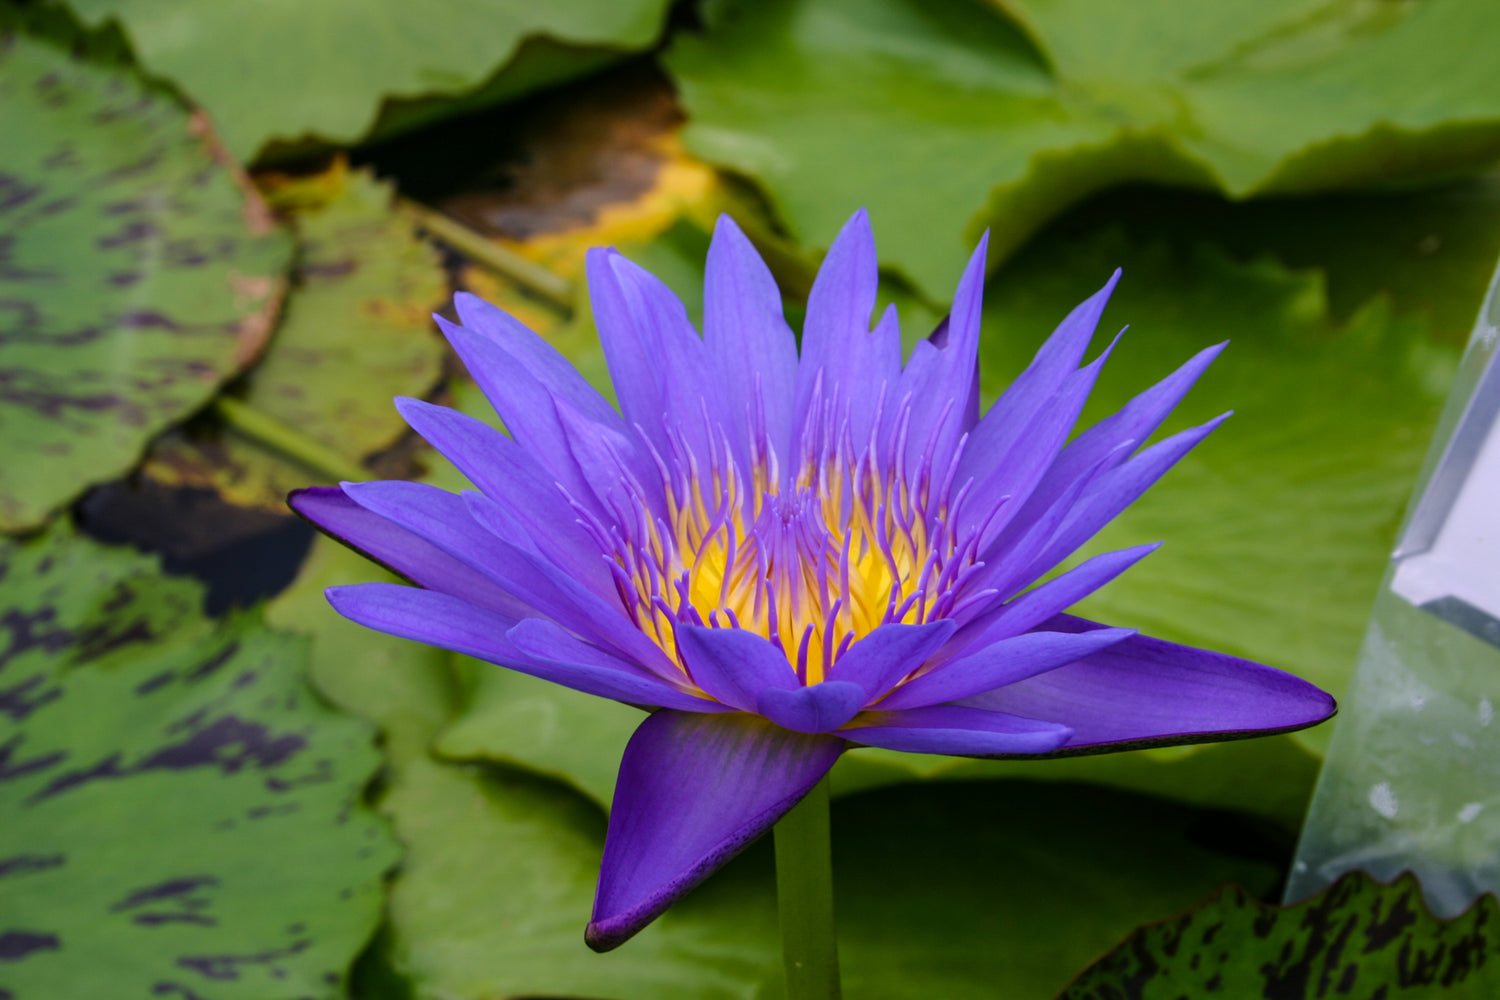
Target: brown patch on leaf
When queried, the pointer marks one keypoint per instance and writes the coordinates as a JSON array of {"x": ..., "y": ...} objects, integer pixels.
[
  {"x": 258, "y": 216},
  {"x": 589, "y": 148},
  {"x": 253, "y": 331}
]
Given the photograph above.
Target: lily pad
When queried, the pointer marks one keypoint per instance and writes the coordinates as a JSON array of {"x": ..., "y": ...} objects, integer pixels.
[
  {"x": 944, "y": 117},
  {"x": 964, "y": 891},
  {"x": 1357, "y": 938},
  {"x": 181, "y": 815},
  {"x": 138, "y": 273},
  {"x": 322, "y": 70},
  {"x": 356, "y": 332}
]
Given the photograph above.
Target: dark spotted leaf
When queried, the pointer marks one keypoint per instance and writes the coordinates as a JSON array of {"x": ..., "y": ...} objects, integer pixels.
[
  {"x": 289, "y": 72},
  {"x": 135, "y": 274},
  {"x": 1357, "y": 939},
  {"x": 357, "y": 331},
  {"x": 944, "y": 118},
  {"x": 179, "y": 815}
]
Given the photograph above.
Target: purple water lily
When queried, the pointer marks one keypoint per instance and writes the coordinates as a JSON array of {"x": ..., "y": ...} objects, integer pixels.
[{"x": 782, "y": 557}]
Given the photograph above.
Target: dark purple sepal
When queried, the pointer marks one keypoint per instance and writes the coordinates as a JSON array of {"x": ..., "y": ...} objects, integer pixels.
[
  {"x": 1145, "y": 692},
  {"x": 694, "y": 790}
]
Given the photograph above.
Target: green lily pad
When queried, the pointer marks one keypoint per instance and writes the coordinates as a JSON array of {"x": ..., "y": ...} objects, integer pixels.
[
  {"x": 137, "y": 274},
  {"x": 181, "y": 816},
  {"x": 356, "y": 332},
  {"x": 322, "y": 70},
  {"x": 943, "y": 117},
  {"x": 962, "y": 890},
  {"x": 1357, "y": 938}
]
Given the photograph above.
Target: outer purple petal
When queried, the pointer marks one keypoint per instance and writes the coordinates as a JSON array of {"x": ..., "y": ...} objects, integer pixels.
[
  {"x": 953, "y": 729},
  {"x": 752, "y": 350},
  {"x": 451, "y": 623},
  {"x": 732, "y": 665},
  {"x": 817, "y": 708},
  {"x": 694, "y": 791},
  {"x": 877, "y": 661},
  {"x": 400, "y": 549},
  {"x": 1001, "y": 663},
  {"x": 1147, "y": 692}
]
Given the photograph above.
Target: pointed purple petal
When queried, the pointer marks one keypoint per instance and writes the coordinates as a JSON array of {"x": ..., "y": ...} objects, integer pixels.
[
  {"x": 401, "y": 550},
  {"x": 452, "y": 623},
  {"x": 530, "y": 352},
  {"x": 1147, "y": 692},
  {"x": 1133, "y": 423},
  {"x": 656, "y": 359},
  {"x": 544, "y": 642},
  {"x": 818, "y": 708},
  {"x": 938, "y": 380},
  {"x": 1000, "y": 663},
  {"x": 752, "y": 350},
  {"x": 838, "y": 346},
  {"x": 953, "y": 729},
  {"x": 1017, "y": 471},
  {"x": 449, "y": 522},
  {"x": 1057, "y": 359},
  {"x": 878, "y": 660},
  {"x": 1037, "y": 605},
  {"x": 694, "y": 791},
  {"x": 733, "y": 665},
  {"x": 512, "y": 478},
  {"x": 1115, "y": 490}
]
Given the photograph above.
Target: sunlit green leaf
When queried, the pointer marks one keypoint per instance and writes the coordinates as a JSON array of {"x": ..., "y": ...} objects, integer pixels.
[
  {"x": 179, "y": 814},
  {"x": 290, "y": 72},
  {"x": 136, "y": 275},
  {"x": 943, "y": 118},
  {"x": 1357, "y": 938}
]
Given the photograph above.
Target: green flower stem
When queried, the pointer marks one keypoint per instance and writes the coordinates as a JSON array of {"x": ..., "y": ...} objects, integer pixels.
[
  {"x": 287, "y": 440},
  {"x": 496, "y": 257},
  {"x": 804, "y": 895}
]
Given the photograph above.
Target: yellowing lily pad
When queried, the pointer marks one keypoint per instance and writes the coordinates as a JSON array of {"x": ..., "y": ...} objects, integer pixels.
[
  {"x": 137, "y": 273},
  {"x": 179, "y": 814}
]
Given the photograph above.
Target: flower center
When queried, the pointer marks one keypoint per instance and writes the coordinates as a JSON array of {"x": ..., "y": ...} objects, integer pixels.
[{"x": 812, "y": 563}]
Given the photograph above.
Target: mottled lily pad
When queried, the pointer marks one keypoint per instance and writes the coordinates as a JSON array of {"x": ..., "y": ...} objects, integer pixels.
[
  {"x": 323, "y": 69},
  {"x": 179, "y": 815},
  {"x": 1357, "y": 938},
  {"x": 136, "y": 274},
  {"x": 357, "y": 331},
  {"x": 943, "y": 117}
]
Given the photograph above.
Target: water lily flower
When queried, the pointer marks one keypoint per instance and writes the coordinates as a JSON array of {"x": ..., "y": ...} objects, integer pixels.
[{"x": 782, "y": 555}]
